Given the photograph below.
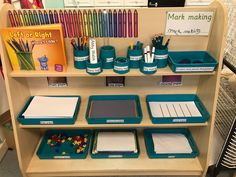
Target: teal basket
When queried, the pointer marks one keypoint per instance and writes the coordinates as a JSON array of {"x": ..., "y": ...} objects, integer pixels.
[
  {"x": 150, "y": 145},
  {"x": 161, "y": 55},
  {"x": 134, "y": 56},
  {"x": 46, "y": 121},
  {"x": 121, "y": 65},
  {"x": 63, "y": 150},
  {"x": 94, "y": 69},
  {"x": 107, "y": 55},
  {"x": 115, "y": 120},
  {"x": 80, "y": 58},
  {"x": 114, "y": 155},
  {"x": 192, "y": 61},
  {"x": 177, "y": 98},
  {"x": 148, "y": 68}
]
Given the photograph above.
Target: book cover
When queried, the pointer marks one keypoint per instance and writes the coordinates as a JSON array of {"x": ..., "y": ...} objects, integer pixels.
[{"x": 39, "y": 48}]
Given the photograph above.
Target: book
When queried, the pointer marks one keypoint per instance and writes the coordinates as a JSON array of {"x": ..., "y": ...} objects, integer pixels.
[{"x": 35, "y": 48}]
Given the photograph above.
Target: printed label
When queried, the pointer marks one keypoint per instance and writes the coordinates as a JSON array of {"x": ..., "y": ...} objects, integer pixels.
[
  {"x": 179, "y": 120},
  {"x": 115, "y": 156},
  {"x": 171, "y": 156},
  {"x": 46, "y": 122},
  {"x": 153, "y": 68},
  {"x": 161, "y": 57},
  {"x": 182, "y": 69},
  {"x": 94, "y": 70},
  {"x": 135, "y": 58},
  {"x": 61, "y": 157},
  {"x": 115, "y": 121},
  {"x": 121, "y": 68},
  {"x": 81, "y": 58},
  {"x": 109, "y": 60}
]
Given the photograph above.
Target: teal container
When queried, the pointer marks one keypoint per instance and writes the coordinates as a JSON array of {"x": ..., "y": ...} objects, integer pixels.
[
  {"x": 148, "y": 68},
  {"x": 134, "y": 57},
  {"x": 107, "y": 55},
  {"x": 94, "y": 69},
  {"x": 161, "y": 55},
  {"x": 121, "y": 65},
  {"x": 80, "y": 58}
]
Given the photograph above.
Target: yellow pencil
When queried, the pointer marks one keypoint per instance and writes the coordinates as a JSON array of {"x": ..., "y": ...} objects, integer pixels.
[{"x": 85, "y": 23}]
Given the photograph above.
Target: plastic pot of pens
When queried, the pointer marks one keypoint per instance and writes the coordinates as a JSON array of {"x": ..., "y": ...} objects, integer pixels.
[
  {"x": 107, "y": 55},
  {"x": 26, "y": 61},
  {"x": 80, "y": 58},
  {"x": 148, "y": 65},
  {"x": 161, "y": 56},
  {"x": 94, "y": 68},
  {"x": 135, "y": 54},
  {"x": 121, "y": 65}
]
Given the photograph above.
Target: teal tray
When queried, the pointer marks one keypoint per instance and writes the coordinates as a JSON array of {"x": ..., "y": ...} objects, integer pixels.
[
  {"x": 115, "y": 155},
  {"x": 192, "y": 61},
  {"x": 150, "y": 146},
  {"x": 48, "y": 151},
  {"x": 177, "y": 98},
  {"x": 45, "y": 121},
  {"x": 116, "y": 120}
]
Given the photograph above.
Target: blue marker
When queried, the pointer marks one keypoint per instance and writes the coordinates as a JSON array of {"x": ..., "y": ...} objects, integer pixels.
[
  {"x": 41, "y": 18},
  {"x": 46, "y": 17},
  {"x": 105, "y": 27},
  {"x": 110, "y": 23}
]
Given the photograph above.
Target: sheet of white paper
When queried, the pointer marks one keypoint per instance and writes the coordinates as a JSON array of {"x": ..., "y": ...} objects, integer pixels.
[
  {"x": 170, "y": 143},
  {"x": 51, "y": 107},
  {"x": 185, "y": 110},
  {"x": 178, "y": 110},
  {"x": 116, "y": 141},
  {"x": 193, "y": 109},
  {"x": 171, "y": 110},
  {"x": 165, "y": 110},
  {"x": 155, "y": 109}
]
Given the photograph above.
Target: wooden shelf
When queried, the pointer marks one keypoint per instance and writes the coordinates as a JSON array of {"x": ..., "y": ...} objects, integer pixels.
[
  {"x": 73, "y": 72},
  {"x": 104, "y": 167},
  {"x": 81, "y": 121}
]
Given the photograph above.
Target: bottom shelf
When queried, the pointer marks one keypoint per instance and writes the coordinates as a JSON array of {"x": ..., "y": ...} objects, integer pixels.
[{"x": 113, "y": 167}]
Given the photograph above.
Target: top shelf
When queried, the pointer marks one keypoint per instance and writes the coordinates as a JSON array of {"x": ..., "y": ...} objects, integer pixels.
[{"x": 73, "y": 72}]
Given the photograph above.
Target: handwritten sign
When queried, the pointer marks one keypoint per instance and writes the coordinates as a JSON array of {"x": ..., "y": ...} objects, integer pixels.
[{"x": 188, "y": 23}]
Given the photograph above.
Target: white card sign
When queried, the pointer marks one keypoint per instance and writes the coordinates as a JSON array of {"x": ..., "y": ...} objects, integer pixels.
[{"x": 188, "y": 23}]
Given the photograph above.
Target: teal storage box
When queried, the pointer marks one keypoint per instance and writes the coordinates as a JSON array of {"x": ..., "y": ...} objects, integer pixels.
[
  {"x": 192, "y": 61},
  {"x": 80, "y": 58},
  {"x": 121, "y": 65},
  {"x": 148, "y": 136},
  {"x": 134, "y": 56},
  {"x": 114, "y": 109},
  {"x": 64, "y": 144},
  {"x": 161, "y": 55},
  {"x": 94, "y": 69},
  {"x": 176, "y": 108},
  {"x": 47, "y": 121},
  {"x": 107, "y": 55},
  {"x": 114, "y": 155},
  {"x": 148, "y": 68}
]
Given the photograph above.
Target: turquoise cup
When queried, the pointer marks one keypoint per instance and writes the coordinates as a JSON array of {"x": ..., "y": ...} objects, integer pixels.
[
  {"x": 121, "y": 65},
  {"x": 148, "y": 68},
  {"x": 134, "y": 56},
  {"x": 107, "y": 55},
  {"x": 92, "y": 68},
  {"x": 161, "y": 55},
  {"x": 80, "y": 58}
]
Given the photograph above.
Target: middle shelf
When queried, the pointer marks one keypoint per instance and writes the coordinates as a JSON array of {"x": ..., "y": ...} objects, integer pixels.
[{"x": 146, "y": 122}]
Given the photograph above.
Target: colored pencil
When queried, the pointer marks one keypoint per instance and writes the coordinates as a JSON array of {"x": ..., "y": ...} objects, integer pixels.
[
  {"x": 124, "y": 23},
  {"x": 12, "y": 21},
  {"x": 85, "y": 23},
  {"x": 16, "y": 18},
  {"x": 76, "y": 23},
  {"x": 100, "y": 16},
  {"x": 62, "y": 21},
  {"x": 31, "y": 18},
  {"x": 90, "y": 23},
  {"x": 105, "y": 26},
  {"x": 95, "y": 23},
  {"x": 41, "y": 17},
  {"x": 135, "y": 23},
  {"x": 36, "y": 19},
  {"x": 51, "y": 17},
  {"x": 115, "y": 23},
  {"x": 56, "y": 18},
  {"x": 67, "y": 23},
  {"x": 81, "y": 33},
  {"x": 21, "y": 20},
  {"x": 26, "y": 18},
  {"x": 71, "y": 22},
  {"x": 110, "y": 23},
  {"x": 46, "y": 17},
  {"x": 130, "y": 32},
  {"x": 120, "y": 28}
]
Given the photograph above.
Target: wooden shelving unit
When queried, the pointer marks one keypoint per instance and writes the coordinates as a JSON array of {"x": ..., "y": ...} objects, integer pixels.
[{"x": 21, "y": 85}]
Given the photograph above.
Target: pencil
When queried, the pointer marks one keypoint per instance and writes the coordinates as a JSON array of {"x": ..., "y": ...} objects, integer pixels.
[
  {"x": 51, "y": 17},
  {"x": 36, "y": 19},
  {"x": 80, "y": 24},
  {"x": 31, "y": 17},
  {"x": 21, "y": 20},
  {"x": 16, "y": 18},
  {"x": 85, "y": 23},
  {"x": 12, "y": 21},
  {"x": 90, "y": 19},
  {"x": 95, "y": 23}
]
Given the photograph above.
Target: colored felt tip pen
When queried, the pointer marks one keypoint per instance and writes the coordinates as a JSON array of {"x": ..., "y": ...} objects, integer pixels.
[
  {"x": 120, "y": 23},
  {"x": 12, "y": 21},
  {"x": 105, "y": 26},
  {"x": 31, "y": 17},
  {"x": 71, "y": 24},
  {"x": 100, "y": 16},
  {"x": 41, "y": 17},
  {"x": 51, "y": 17},
  {"x": 46, "y": 17},
  {"x": 90, "y": 23},
  {"x": 67, "y": 24},
  {"x": 22, "y": 22},
  {"x": 115, "y": 23},
  {"x": 81, "y": 33},
  {"x": 62, "y": 23},
  {"x": 16, "y": 18},
  {"x": 36, "y": 19},
  {"x": 85, "y": 23},
  {"x": 76, "y": 23},
  {"x": 26, "y": 18},
  {"x": 56, "y": 18},
  {"x": 130, "y": 32},
  {"x": 110, "y": 23},
  {"x": 95, "y": 23},
  {"x": 135, "y": 23},
  {"x": 124, "y": 23}
]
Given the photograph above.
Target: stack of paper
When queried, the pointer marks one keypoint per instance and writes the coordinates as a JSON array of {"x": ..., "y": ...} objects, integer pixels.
[
  {"x": 171, "y": 143},
  {"x": 51, "y": 107},
  {"x": 174, "y": 109},
  {"x": 116, "y": 142}
]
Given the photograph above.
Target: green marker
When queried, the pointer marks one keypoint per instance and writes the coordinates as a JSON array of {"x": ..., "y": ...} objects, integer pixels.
[{"x": 95, "y": 23}]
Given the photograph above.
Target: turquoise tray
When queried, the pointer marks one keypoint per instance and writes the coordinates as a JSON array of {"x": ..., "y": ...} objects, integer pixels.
[
  {"x": 66, "y": 150},
  {"x": 150, "y": 146},
  {"x": 177, "y": 98},
  {"x": 116, "y": 120},
  {"x": 114, "y": 155},
  {"x": 45, "y": 121},
  {"x": 192, "y": 61}
]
